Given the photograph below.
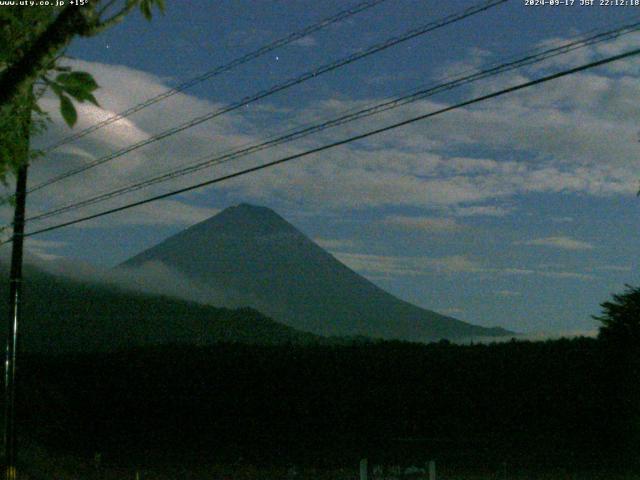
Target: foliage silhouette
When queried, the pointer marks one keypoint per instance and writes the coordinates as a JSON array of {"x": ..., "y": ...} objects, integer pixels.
[
  {"x": 32, "y": 43},
  {"x": 620, "y": 318},
  {"x": 551, "y": 403}
]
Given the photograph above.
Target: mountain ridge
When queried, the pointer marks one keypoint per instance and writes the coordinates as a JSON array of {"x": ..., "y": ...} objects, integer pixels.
[
  {"x": 270, "y": 265},
  {"x": 92, "y": 316}
]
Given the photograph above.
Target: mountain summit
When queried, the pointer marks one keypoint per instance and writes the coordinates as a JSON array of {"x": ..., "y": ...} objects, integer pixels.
[{"x": 260, "y": 260}]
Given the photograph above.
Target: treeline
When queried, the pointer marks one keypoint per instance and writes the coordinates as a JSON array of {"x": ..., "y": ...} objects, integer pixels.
[{"x": 561, "y": 402}]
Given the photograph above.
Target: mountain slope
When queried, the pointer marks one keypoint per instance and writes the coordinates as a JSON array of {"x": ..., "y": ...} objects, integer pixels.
[
  {"x": 64, "y": 315},
  {"x": 261, "y": 260}
]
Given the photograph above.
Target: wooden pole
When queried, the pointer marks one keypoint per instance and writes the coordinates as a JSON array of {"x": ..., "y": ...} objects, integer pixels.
[{"x": 15, "y": 313}]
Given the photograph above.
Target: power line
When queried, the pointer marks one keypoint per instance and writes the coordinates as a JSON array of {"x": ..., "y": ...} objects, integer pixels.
[
  {"x": 535, "y": 57},
  {"x": 279, "y": 87},
  {"x": 342, "y": 15},
  {"x": 370, "y": 133}
]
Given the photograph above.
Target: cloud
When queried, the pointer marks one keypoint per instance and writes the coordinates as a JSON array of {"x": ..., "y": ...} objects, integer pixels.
[
  {"x": 43, "y": 248},
  {"x": 423, "y": 224},
  {"x": 476, "y": 57},
  {"x": 508, "y": 293},
  {"x": 334, "y": 243},
  {"x": 562, "y": 219},
  {"x": 564, "y": 243},
  {"x": 614, "y": 268},
  {"x": 585, "y": 55},
  {"x": 152, "y": 277},
  {"x": 485, "y": 210},
  {"x": 405, "y": 265},
  {"x": 164, "y": 213},
  {"x": 544, "y": 272},
  {"x": 578, "y": 137},
  {"x": 35, "y": 248},
  {"x": 390, "y": 266},
  {"x": 150, "y": 160},
  {"x": 305, "y": 42},
  {"x": 570, "y": 275},
  {"x": 517, "y": 271}
]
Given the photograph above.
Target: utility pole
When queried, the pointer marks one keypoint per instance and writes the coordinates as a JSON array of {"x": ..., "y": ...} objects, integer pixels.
[
  {"x": 15, "y": 313},
  {"x": 21, "y": 152}
]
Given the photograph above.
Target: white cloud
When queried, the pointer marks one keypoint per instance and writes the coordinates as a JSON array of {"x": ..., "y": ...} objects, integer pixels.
[
  {"x": 389, "y": 266},
  {"x": 35, "y": 248},
  {"x": 145, "y": 162},
  {"x": 517, "y": 271},
  {"x": 565, "y": 243},
  {"x": 334, "y": 243},
  {"x": 166, "y": 212},
  {"x": 152, "y": 277},
  {"x": 406, "y": 265},
  {"x": 476, "y": 57},
  {"x": 577, "y": 137},
  {"x": 508, "y": 293},
  {"x": 121, "y": 133},
  {"x": 485, "y": 210},
  {"x": 423, "y": 224},
  {"x": 306, "y": 42},
  {"x": 570, "y": 275},
  {"x": 614, "y": 268},
  {"x": 44, "y": 249}
]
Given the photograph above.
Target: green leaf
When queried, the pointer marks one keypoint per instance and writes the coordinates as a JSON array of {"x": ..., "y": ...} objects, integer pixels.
[
  {"x": 161, "y": 5},
  {"x": 68, "y": 111},
  {"x": 57, "y": 89},
  {"x": 80, "y": 95},
  {"x": 78, "y": 85},
  {"x": 77, "y": 93},
  {"x": 78, "y": 80},
  {"x": 92, "y": 99},
  {"x": 145, "y": 8}
]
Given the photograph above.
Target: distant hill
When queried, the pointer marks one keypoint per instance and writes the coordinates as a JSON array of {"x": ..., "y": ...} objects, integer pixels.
[
  {"x": 64, "y": 315},
  {"x": 259, "y": 259}
]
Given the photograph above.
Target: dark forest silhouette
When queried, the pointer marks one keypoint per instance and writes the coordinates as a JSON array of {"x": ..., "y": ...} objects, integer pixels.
[{"x": 563, "y": 402}]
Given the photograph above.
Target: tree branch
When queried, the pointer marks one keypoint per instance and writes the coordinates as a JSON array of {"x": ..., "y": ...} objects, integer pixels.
[
  {"x": 114, "y": 19},
  {"x": 106, "y": 7},
  {"x": 71, "y": 21}
]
